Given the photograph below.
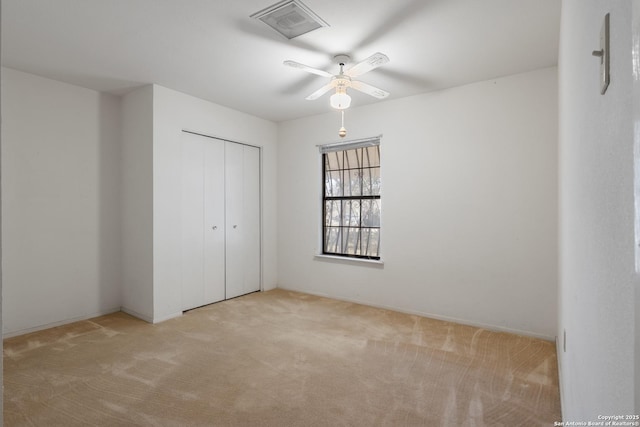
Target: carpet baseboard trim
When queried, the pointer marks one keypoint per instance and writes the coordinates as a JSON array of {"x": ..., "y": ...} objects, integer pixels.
[
  {"x": 425, "y": 314},
  {"x": 167, "y": 317},
  {"x": 134, "y": 313},
  {"x": 24, "y": 331},
  {"x": 150, "y": 319}
]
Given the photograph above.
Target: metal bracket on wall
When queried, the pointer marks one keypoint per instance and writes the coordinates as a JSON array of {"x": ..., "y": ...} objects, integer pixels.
[{"x": 604, "y": 55}]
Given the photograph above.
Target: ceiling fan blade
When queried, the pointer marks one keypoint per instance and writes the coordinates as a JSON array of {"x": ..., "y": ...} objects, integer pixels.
[
  {"x": 374, "y": 61},
  {"x": 306, "y": 68},
  {"x": 317, "y": 94},
  {"x": 369, "y": 90}
]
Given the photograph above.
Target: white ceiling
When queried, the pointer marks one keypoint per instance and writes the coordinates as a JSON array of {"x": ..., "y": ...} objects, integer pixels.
[{"x": 213, "y": 50}]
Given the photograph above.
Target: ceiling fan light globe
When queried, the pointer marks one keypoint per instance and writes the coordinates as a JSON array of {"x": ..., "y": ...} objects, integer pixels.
[{"x": 340, "y": 101}]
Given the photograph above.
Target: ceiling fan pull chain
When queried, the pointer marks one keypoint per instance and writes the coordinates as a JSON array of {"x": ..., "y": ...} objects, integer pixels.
[{"x": 342, "y": 132}]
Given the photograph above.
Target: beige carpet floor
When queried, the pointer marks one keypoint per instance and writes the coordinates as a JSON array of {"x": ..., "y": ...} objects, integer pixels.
[{"x": 278, "y": 358}]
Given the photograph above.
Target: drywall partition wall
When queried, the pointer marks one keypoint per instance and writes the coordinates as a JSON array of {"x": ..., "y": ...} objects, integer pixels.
[
  {"x": 469, "y": 204},
  {"x": 137, "y": 203},
  {"x": 60, "y": 202},
  {"x": 597, "y": 274},
  {"x": 173, "y": 112}
]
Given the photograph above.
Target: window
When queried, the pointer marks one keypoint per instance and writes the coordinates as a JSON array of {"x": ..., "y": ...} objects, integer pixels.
[{"x": 351, "y": 199}]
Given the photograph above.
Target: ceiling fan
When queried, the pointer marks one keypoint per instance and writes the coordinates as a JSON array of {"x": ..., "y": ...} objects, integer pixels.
[{"x": 345, "y": 79}]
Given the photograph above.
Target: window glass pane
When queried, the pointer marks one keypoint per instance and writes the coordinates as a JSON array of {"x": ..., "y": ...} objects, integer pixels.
[
  {"x": 332, "y": 240},
  {"x": 351, "y": 213},
  {"x": 329, "y": 163},
  {"x": 351, "y": 241},
  {"x": 371, "y": 156},
  {"x": 347, "y": 182},
  {"x": 332, "y": 213},
  {"x": 364, "y": 157},
  {"x": 371, "y": 182},
  {"x": 333, "y": 160},
  {"x": 370, "y": 241},
  {"x": 353, "y": 187},
  {"x": 333, "y": 184},
  {"x": 371, "y": 213},
  {"x": 352, "y": 160},
  {"x": 339, "y": 160}
]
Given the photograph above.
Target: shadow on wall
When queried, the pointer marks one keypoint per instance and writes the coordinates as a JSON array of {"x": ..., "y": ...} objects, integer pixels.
[{"x": 108, "y": 174}]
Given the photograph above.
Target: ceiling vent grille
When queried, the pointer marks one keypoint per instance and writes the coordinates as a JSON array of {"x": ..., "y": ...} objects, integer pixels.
[{"x": 290, "y": 18}]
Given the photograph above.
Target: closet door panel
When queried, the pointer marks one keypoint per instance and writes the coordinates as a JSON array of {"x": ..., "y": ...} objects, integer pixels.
[
  {"x": 192, "y": 221},
  {"x": 214, "y": 222},
  {"x": 234, "y": 171},
  {"x": 220, "y": 222},
  {"x": 251, "y": 215}
]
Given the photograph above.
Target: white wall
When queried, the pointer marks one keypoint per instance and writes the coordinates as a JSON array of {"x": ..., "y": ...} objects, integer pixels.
[
  {"x": 597, "y": 275},
  {"x": 88, "y": 223},
  {"x": 137, "y": 203},
  {"x": 172, "y": 112},
  {"x": 60, "y": 202},
  {"x": 1, "y": 341},
  {"x": 636, "y": 121},
  {"x": 469, "y": 204}
]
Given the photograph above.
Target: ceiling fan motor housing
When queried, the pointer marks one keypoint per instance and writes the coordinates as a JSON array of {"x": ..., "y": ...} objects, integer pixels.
[
  {"x": 341, "y": 81},
  {"x": 342, "y": 59}
]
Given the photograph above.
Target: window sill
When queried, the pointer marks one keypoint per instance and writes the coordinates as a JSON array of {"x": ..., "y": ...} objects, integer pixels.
[{"x": 379, "y": 263}]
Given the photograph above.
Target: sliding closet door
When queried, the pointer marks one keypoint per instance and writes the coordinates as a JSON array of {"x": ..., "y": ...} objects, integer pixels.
[
  {"x": 242, "y": 174},
  {"x": 202, "y": 221}
]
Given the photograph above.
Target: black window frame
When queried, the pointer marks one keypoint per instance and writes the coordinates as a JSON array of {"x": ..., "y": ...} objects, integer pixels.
[{"x": 342, "y": 148}]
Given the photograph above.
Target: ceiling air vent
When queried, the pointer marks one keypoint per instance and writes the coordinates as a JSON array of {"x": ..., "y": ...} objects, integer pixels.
[{"x": 290, "y": 18}]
